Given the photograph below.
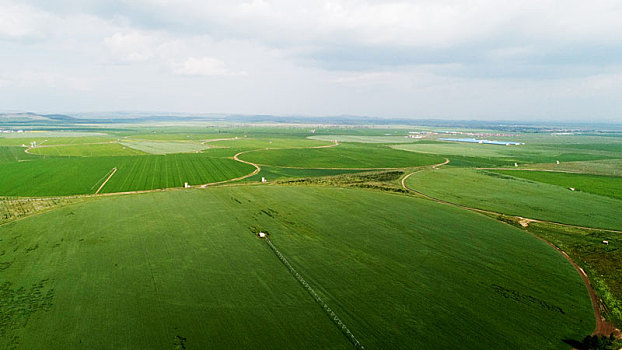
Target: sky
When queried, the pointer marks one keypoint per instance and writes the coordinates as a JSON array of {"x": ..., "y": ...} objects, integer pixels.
[{"x": 539, "y": 60}]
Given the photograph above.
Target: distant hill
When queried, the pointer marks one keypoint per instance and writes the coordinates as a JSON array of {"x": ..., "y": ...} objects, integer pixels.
[{"x": 28, "y": 118}]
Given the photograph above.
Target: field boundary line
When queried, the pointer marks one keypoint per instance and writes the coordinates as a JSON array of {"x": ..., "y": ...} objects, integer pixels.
[
  {"x": 114, "y": 170},
  {"x": 485, "y": 211},
  {"x": 333, "y": 316}
]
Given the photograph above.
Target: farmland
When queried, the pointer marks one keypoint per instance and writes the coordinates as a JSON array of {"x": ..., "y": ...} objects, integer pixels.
[
  {"x": 183, "y": 268},
  {"x": 514, "y": 196},
  {"x": 83, "y": 175},
  {"x": 86, "y": 150},
  {"x": 609, "y": 186},
  {"x": 345, "y": 156},
  {"x": 135, "y": 267}
]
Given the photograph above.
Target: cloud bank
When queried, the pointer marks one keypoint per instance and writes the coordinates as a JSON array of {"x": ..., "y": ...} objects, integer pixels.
[{"x": 537, "y": 60}]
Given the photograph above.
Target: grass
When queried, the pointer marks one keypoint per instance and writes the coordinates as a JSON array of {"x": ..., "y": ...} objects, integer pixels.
[
  {"x": 164, "y": 147},
  {"x": 483, "y": 155},
  {"x": 603, "y": 263},
  {"x": 343, "y": 156},
  {"x": 609, "y": 186},
  {"x": 183, "y": 268},
  {"x": 611, "y": 167},
  {"x": 153, "y": 172},
  {"x": 83, "y": 175},
  {"x": 15, "y": 208},
  {"x": 513, "y": 196},
  {"x": 87, "y": 150},
  {"x": 276, "y": 173},
  {"x": 10, "y": 154},
  {"x": 363, "y": 139}
]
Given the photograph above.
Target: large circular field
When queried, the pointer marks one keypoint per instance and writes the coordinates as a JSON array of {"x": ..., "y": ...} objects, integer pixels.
[{"x": 183, "y": 269}]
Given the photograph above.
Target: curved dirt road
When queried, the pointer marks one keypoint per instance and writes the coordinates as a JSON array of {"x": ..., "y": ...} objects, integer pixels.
[{"x": 603, "y": 327}]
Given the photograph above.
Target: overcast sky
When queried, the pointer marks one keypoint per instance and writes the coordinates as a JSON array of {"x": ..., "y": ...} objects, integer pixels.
[{"x": 467, "y": 59}]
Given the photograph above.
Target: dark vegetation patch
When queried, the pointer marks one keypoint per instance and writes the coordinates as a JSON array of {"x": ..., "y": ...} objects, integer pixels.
[
  {"x": 18, "y": 305},
  {"x": 379, "y": 180},
  {"x": 12, "y": 207},
  {"x": 179, "y": 343},
  {"x": 596, "y": 342},
  {"x": 497, "y": 175},
  {"x": 602, "y": 262},
  {"x": 525, "y": 299}
]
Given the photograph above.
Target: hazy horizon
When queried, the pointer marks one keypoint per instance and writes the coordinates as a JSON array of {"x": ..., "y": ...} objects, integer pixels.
[{"x": 555, "y": 61}]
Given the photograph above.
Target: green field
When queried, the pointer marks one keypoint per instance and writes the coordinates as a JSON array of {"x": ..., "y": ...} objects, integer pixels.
[
  {"x": 164, "y": 147},
  {"x": 514, "y": 196},
  {"x": 473, "y": 154},
  {"x": 13, "y": 154},
  {"x": 87, "y": 150},
  {"x": 183, "y": 269},
  {"x": 83, "y": 175},
  {"x": 162, "y": 270},
  {"x": 363, "y": 139},
  {"x": 611, "y": 167},
  {"x": 609, "y": 186},
  {"x": 343, "y": 156},
  {"x": 153, "y": 172}
]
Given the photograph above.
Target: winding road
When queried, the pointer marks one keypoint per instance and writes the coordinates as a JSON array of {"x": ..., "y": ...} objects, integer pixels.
[{"x": 603, "y": 327}]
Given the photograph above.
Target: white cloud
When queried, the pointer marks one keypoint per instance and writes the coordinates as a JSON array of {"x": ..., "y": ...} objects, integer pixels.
[
  {"x": 205, "y": 66},
  {"x": 22, "y": 21},
  {"x": 446, "y": 58},
  {"x": 131, "y": 47}
]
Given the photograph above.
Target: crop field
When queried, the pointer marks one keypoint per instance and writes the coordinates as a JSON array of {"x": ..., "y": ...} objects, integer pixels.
[
  {"x": 87, "y": 150},
  {"x": 487, "y": 155},
  {"x": 83, "y": 175},
  {"x": 153, "y": 172},
  {"x": 609, "y": 186},
  {"x": 343, "y": 156},
  {"x": 262, "y": 143},
  {"x": 60, "y": 140},
  {"x": 166, "y": 269},
  {"x": 13, "y": 154},
  {"x": 271, "y": 173},
  {"x": 164, "y": 147},
  {"x": 514, "y": 196},
  {"x": 184, "y": 269},
  {"x": 363, "y": 139},
  {"x": 610, "y": 167}
]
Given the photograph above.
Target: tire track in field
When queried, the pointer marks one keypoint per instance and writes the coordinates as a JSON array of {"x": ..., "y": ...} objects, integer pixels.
[
  {"x": 603, "y": 327},
  {"x": 331, "y": 314}
]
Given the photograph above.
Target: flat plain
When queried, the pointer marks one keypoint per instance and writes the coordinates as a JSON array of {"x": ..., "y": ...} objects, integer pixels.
[
  {"x": 183, "y": 268},
  {"x": 147, "y": 270}
]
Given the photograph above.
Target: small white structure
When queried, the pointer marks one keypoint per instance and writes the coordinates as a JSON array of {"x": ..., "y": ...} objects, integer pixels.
[
  {"x": 263, "y": 179},
  {"x": 571, "y": 188},
  {"x": 186, "y": 185},
  {"x": 261, "y": 235},
  {"x": 606, "y": 242},
  {"x": 516, "y": 164},
  {"x": 558, "y": 162}
]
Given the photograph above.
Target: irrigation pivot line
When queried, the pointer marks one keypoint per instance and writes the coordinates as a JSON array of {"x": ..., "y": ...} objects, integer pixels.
[{"x": 333, "y": 316}]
